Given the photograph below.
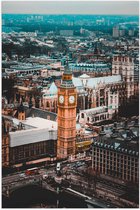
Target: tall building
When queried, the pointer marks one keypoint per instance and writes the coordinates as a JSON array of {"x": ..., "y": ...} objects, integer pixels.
[
  {"x": 66, "y": 32},
  {"x": 115, "y": 32},
  {"x": 124, "y": 65},
  {"x": 122, "y": 32},
  {"x": 67, "y": 102}
]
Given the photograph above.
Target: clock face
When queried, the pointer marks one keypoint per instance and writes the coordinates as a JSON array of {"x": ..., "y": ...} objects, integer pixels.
[
  {"x": 71, "y": 99},
  {"x": 61, "y": 99}
]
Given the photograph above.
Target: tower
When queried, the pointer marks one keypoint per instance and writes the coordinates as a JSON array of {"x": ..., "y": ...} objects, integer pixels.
[
  {"x": 124, "y": 65},
  {"x": 67, "y": 102}
]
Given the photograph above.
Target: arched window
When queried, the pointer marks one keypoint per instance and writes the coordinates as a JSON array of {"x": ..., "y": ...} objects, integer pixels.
[
  {"x": 47, "y": 104},
  {"x": 82, "y": 115},
  {"x": 53, "y": 104}
]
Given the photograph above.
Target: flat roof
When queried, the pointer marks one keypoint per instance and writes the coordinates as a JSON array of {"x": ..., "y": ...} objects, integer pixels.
[
  {"x": 40, "y": 123},
  {"x": 94, "y": 109},
  {"x": 40, "y": 130}
]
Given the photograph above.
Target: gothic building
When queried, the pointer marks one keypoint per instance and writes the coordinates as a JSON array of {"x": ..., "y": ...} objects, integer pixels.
[
  {"x": 49, "y": 99},
  {"x": 124, "y": 66},
  {"x": 66, "y": 118}
]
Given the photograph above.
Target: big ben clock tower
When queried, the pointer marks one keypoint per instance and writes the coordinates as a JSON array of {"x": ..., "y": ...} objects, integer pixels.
[{"x": 67, "y": 102}]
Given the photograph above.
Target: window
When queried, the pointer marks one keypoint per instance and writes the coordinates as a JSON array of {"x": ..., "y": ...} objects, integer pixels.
[
  {"x": 5, "y": 158},
  {"x": 32, "y": 152},
  {"x": 48, "y": 117},
  {"x": 82, "y": 115}
]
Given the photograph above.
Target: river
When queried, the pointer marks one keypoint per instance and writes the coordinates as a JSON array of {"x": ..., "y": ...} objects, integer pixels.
[{"x": 36, "y": 197}]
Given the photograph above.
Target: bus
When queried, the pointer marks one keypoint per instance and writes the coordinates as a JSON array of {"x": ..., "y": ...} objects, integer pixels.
[{"x": 31, "y": 171}]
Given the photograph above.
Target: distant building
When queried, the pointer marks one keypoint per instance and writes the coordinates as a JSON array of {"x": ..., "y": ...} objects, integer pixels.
[
  {"x": 116, "y": 32},
  {"x": 96, "y": 69},
  {"x": 25, "y": 69},
  {"x": 122, "y": 32},
  {"x": 66, "y": 32},
  {"x": 131, "y": 32}
]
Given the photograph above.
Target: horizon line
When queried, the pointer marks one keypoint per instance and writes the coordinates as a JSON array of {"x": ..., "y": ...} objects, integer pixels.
[{"x": 67, "y": 14}]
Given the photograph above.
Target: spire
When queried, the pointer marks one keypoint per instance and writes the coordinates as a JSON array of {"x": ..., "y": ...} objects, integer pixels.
[
  {"x": 67, "y": 70},
  {"x": 102, "y": 132},
  {"x": 67, "y": 77}
]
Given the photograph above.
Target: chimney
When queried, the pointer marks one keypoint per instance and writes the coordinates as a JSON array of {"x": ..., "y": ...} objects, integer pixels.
[{"x": 102, "y": 132}]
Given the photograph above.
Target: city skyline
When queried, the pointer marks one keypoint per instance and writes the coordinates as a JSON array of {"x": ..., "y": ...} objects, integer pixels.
[
  {"x": 70, "y": 104},
  {"x": 71, "y": 7}
]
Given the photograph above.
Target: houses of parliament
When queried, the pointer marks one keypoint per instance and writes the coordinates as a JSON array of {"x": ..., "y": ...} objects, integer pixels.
[{"x": 32, "y": 135}]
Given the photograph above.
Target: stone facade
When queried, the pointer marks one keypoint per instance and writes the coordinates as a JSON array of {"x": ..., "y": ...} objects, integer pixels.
[{"x": 67, "y": 102}]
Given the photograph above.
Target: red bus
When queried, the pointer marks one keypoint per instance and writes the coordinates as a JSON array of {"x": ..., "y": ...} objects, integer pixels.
[{"x": 32, "y": 171}]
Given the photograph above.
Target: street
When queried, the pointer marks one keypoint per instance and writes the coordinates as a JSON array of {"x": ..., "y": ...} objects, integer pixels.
[{"x": 74, "y": 174}]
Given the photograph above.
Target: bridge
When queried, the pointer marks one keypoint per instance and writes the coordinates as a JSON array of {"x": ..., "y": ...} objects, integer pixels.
[
  {"x": 14, "y": 182},
  {"x": 9, "y": 187}
]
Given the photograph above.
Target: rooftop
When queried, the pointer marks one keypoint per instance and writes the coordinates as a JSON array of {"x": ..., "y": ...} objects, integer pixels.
[
  {"x": 40, "y": 123},
  {"x": 94, "y": 110},
  {"x": 84, "y": 76},
  {"x": 40, "y": 113},
  {"x": 93, "y": 82},
  {"x": 38, "y": 129},
  {"x": 123, "y": 140}
]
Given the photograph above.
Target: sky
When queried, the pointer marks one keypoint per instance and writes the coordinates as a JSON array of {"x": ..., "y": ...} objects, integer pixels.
[{"x": 71, "y": 7}]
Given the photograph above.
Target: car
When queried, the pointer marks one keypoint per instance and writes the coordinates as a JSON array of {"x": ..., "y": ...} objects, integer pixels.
[
  {"x": 58, "y": 167},
  {"x": 78, "y": 164},
  {"x": 22, "y": 175},
  {"x": 45, "y": 176}
]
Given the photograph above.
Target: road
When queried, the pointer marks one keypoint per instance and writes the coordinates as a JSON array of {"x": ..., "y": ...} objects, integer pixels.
[{"x": 72, "y": 172}]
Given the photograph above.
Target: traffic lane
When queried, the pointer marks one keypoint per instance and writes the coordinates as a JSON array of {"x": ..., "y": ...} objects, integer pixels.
[
  {"x": 10, "y": 179},
  {"x": 17, "y": 178}
]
